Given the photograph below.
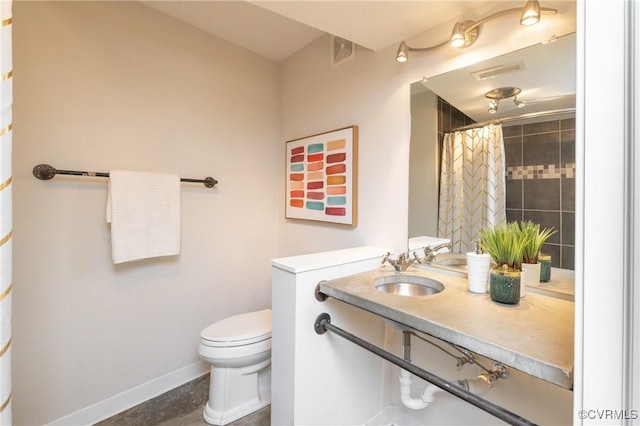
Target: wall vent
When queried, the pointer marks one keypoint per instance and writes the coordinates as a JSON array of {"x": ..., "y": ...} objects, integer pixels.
[
  {"x": 496, "y": 71},
  {"x": 341, "y": 50}
]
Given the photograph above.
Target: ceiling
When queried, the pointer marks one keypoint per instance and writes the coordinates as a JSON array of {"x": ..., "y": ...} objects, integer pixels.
[{"x": 277, "y": 29}]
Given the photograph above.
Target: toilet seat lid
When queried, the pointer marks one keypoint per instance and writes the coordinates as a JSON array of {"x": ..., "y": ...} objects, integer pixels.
[{"x": 252, "y": 326}]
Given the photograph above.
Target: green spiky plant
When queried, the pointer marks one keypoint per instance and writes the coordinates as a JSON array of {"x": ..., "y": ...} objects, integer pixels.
[
  {"x": 504, "y": 244},
  {"x": 535, "y": 238}
]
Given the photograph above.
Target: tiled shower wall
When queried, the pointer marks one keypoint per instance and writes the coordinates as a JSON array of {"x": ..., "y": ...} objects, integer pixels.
[
  {"x": 540, "y": 176},
  {"x": 540, "y": 160},
  {"x": 449, "y": 118}
]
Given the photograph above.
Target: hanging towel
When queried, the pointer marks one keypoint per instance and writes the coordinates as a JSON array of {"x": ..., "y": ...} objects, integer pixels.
[{"x": 144, "y": 212}]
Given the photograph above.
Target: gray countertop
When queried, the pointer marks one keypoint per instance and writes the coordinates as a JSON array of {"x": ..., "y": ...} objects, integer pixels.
[
  {"x": 561, "y": 285},
  {"x": 535, "y": 336}
]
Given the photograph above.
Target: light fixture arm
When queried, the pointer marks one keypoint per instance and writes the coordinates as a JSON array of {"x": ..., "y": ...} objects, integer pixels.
[
  {"x": 424, "y": 49},
  {"x": 466, "y": 33},
  {"x": 504, "y": 13},
  {"x": 421, "y": 49},
  {"x": 404, "y": 49}
]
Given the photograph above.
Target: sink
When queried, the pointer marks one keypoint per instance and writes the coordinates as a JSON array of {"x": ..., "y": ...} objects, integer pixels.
[
  {"x": 408, "y": 285},
  {"x": 458, "y": 260},
  {"x": 455, "y": 263}
]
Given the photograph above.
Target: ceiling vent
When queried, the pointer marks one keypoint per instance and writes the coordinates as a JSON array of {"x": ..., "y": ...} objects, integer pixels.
[
  {"x": 497, "y": 71},
  {"x": 341, "y": 50}
]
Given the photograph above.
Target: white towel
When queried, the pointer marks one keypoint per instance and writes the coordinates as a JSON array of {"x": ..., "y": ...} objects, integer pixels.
[{"x": 144, "y": 212}]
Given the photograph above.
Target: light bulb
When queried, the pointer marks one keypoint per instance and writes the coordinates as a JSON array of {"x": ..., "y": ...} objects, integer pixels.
[
  {"x": 457, "y": 35},
  {"x": 531, "y": 13}
]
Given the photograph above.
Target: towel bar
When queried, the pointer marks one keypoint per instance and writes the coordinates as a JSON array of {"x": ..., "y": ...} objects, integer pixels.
[
  {"x": 323, "y": 324},
  {"x": 46, "y": 172}
]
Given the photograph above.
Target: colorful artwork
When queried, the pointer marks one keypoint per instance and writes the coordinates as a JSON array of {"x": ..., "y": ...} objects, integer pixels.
[{"x": 321, "y": 177}]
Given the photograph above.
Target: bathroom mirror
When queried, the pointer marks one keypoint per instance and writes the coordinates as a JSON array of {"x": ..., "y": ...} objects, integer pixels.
[{"x": 538, "y": 129}]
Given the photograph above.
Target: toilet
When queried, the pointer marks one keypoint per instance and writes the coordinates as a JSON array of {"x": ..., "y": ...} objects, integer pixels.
[{"x": 239, "y": 351}]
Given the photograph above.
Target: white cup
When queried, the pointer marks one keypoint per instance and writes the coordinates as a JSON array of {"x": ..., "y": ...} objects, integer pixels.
[{"x": 478, "y": 266}]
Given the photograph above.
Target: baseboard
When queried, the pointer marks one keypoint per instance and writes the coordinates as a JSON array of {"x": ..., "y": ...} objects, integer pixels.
[{"x": 134, "y": 396}]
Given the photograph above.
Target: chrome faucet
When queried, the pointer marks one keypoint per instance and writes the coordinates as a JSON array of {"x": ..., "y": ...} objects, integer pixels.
[
  {"x": 430, "y": 253},
  {"x": 401, "y": 264}
]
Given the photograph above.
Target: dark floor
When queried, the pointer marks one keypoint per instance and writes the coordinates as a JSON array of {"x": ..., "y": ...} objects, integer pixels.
[
  {"x": 180, "y": 407},
  {"x": 259, "y": 418}
]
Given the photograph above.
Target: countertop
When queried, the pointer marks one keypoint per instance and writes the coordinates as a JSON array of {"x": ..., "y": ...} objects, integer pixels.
[
  {"x": 560, "y": 285},
  {"x": 535, "y": 336}
]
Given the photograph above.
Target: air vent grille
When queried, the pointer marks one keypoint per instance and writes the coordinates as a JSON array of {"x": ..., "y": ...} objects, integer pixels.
[
  {"x": 341, "y": 50},
  {"x": 496, "y": 71}
]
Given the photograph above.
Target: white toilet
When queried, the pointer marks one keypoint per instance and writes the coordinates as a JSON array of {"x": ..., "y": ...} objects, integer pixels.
[{"x": 239, "y": 351}]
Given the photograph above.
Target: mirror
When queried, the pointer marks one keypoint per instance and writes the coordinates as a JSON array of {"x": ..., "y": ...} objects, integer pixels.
[{"x": 539, "y": 137}]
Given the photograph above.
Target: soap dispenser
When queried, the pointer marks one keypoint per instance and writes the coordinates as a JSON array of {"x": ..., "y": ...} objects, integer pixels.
[{"x": 478, "y": 267}]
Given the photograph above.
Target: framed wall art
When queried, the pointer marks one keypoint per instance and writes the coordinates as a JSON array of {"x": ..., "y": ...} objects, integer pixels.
[{"x": 321, "y": 177}]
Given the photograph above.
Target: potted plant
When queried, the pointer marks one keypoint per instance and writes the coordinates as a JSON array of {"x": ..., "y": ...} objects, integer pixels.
[
  {"x": 505, "y": 246},
  {"x": 535, "y": 238}
]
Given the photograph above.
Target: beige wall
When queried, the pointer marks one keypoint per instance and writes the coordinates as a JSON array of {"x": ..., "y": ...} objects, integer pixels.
[
  {"x": 373, "y": 92},
  {"x": 318, "y": 98},
  {"x": 107, "y": 85}
]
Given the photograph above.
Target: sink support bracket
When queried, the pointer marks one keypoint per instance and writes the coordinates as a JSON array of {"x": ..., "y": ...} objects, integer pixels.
[{"x": 323, "y": 324}]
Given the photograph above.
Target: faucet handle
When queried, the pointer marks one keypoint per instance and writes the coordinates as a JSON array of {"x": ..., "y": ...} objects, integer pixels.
[
  {"x": 387, "y": 259},
  {"x": 428, "y": 253},
  {"x": 401, "y": 264}
]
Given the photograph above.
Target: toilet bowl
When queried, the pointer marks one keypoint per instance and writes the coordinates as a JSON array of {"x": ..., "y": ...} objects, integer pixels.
[{"x": 239, "y": 351}]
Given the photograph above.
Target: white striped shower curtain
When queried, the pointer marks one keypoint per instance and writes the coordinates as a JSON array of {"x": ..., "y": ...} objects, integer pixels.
[
  {"x": 6, "y": 220},
  {"x": 472, "y": 185}
]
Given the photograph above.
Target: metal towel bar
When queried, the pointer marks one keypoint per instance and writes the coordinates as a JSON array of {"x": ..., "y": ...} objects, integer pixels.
[
  {"x": 323, "y": 324},
  {"x": 46, "y": 172}
]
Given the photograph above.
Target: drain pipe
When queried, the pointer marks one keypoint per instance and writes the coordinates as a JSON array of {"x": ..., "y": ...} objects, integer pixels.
[
  {"x": 323, "y": 324},
  {"x": 426, "y": 396},
  {"x": 479, "y": 386},
  {"x": 428, "y": 393}
]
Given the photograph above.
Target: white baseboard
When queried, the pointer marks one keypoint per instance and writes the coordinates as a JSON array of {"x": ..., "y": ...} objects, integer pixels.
[{"x": 132, "y": 397}]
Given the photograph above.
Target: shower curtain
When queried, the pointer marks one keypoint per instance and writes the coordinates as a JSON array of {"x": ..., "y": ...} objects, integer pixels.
[
  {"x": 472, "y": 185},
  {"x": 6, "y": 221}
]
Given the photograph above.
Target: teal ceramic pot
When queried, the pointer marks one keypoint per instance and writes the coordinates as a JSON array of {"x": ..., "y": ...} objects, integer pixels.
[
  {"x": 504, "y": 285},
  {"x": 545, "y": 268}
]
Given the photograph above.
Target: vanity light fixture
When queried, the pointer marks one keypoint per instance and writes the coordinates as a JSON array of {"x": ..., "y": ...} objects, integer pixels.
[
  {"x": 519, "y": 103},
  {"x": 496, "y": 95},
  {"x": 493, "y": 106},
  {"x": 462, "y": 36},
  {"x": 403, "y": 50},
  {"x": 531, "y": 13},
  {"x": 403, "y": 53},
  {"x": 465, "y": 33}
]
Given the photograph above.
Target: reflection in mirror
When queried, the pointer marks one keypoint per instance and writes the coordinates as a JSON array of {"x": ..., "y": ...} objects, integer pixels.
[{"x": 538, "y": 127}]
